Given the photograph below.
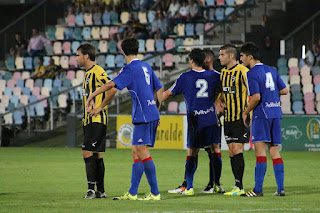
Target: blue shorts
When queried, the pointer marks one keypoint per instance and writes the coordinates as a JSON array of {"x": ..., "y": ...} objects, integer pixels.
[
  {"x": 204, "y": 137},
  {"x": 145, "y": 133},
  {"x": 266, "y": 130}
]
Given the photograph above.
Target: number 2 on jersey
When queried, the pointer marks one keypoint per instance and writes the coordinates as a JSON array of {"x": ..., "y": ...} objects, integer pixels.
[
  {"x": 269, "y": 81},
  {"x": 203, "y": 85}
]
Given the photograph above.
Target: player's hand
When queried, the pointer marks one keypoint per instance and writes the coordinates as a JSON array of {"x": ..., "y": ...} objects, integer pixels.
[
  {"x": 94, "y": 112},
  {"x": 244, "y": 118},
  {"x": 90, "y": 103},
  {"x": 219, "y": 105}
]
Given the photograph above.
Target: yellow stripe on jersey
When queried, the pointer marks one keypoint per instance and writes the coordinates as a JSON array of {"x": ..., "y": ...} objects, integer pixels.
[
  {"x": 94, "y": 78},
  {"x": 234, "y": 86}
]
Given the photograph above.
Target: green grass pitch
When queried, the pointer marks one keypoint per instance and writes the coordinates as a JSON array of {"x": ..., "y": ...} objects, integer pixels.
[{"x": 53, "y": 180}]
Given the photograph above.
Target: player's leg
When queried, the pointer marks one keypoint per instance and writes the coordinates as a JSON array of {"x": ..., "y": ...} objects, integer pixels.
[
  {"x": 209, "y": 187},
  {"x": 276, "y": 158},
  {"x": 137, "y": 172},
  {"x": 91, "y": 171},
  {"x": 261, "y": 167},
  {"x": 191, "y": 167},
  {"x": 100, "y": 193},
  {"x": 217, "y": 162}
]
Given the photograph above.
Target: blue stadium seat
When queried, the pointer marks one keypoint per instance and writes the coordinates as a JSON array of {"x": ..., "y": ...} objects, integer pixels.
[
  {"x": 297, "y": 107},
  {"x": 57, "y": 83},
  {"x": 20, "y": 83},
  {"x": 210, "y": 2},
  {"x": 229, "y": 10},
  {"x": 120, "y": 60},
  {"x": 149, "y": 61},
  {"x": 40, "y": 109},
  {"x": 38, "y": 82},
  {"x": 199, "y": 28},
  {"x": 67, "y": 83},
  {"x": 112, "y": 46},
  {"x": 142, "y": 45},
  {"x": 10, "y": 63},
  {"x": 46, "y": 60},
  {"x": 114, "y": 18},
  {"x": 95, "y": 44},
  {"x": 51, "y": 33},
  {"x": 219, "y": 13},
  {"x": 86, "y": 33},
  {"x": 15, "y": 100},
  {"x": 7, "y": 76},
  {"x": 28, "y": 63},
  {"x": 159, "y": 44},
  {"x": 68, "y": 33},
  {"x": 106, "y": 18},
  {"x": 8, "y": 91},
  {"x": 48, "y": 83},
  {"x": 230, "y": 2},
  {"x": 78, "y": 34},
  {"x": 110, "y": 61},
  {"x": 317, "y": 88},
  {"x": 79, "y": 19},
  {"x": 35, "y": 61},
  {"x": 26, "y": 91},
  {"x": 18, "y": 117},
  {"x": 74, "y": 46},
  {"x": 101, "y": 61},
  {"x": 189, "y": 29}
]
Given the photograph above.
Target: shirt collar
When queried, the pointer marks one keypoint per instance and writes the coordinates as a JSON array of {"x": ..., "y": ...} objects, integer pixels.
[
  {"x": 135, "y": 59},
  {"x": 199, "y": 70}
]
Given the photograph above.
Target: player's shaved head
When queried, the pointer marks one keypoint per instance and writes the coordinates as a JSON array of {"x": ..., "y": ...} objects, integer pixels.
[{"x": 230, "y": 49}]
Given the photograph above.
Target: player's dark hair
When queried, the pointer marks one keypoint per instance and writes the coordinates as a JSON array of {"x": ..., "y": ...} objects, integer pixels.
[
  {"x": 41, "y": 58},
  {"x": 130, "y": 46},
  {"x": 197, "y": 56},
  {"x": 230, "y": 49},
  {"x": 251, "y": 48},
  {"x": 209, "y": 53},
  {"x": 88, "y": 49}
]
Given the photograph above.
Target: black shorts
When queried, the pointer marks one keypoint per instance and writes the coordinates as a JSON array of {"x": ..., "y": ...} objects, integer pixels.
[
  {"x": 204, "y": 137},
  {"x": 94, "y": 137},
  {"x": 236, "y": 132}
]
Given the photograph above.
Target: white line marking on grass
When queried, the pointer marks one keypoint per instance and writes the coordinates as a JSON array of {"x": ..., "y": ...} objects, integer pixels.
[{"x": 243, "y": 210}]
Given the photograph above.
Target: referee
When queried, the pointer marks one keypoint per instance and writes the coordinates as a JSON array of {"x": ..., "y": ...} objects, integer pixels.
[
  {"x": 95, "y": 127},
  {"x": 234, "y": 84}
]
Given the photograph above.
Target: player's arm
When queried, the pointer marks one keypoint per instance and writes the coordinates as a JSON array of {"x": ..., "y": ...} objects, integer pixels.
[
  {"x": 107, "y": 86},
  {"x": 166, "y": 95},
  {"x": 159, "y": 94},
  {"x": 284, "y": 91},
  {"x": 255, "y": 98},
  {"x": 109, "y": 95}
]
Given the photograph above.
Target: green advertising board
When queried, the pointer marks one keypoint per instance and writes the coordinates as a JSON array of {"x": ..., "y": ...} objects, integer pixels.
[{"x": 300, "y": 133}]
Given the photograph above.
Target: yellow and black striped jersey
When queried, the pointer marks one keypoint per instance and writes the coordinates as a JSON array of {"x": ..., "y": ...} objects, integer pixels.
[
  {"x": 234, "y": 85},
  {"x": 94, "y": 78}
]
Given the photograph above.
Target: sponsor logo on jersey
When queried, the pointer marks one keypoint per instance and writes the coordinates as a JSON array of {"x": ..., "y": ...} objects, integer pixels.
[
  {"x": 151, "y": 102},
  {"x": 94, "y": 144},
  {"x": 203, "y": 112},
  {"x": 140, "y": 140},
  {"x": 273, "y": 104}
]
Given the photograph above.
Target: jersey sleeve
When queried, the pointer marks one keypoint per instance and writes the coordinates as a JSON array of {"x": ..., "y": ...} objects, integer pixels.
[
  {"x": 253, "y": 85},
  {"x": 102, "y": 78},
  {"x": 176, "y": 88},
  {"x": 244, "y": 71},
  {"x": 156, "y": 83},
  {"x": 124, "y": 79},
  {"x": 281, "y": 85}
]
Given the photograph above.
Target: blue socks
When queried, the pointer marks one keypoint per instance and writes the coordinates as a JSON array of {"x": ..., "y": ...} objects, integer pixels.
[
  {"x": 217, "y": 162},
  {"x": 260, "y": 171},
  {"x": 150, "y": 171},
  {"x": 279, "y": 173},
  {"x": 137, "y": 172},
  {"x": 191, "y": 167}
]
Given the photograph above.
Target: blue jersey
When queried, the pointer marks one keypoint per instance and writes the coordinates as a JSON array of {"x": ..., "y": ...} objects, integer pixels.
[
  {"x": 140, "y": 80},
  {"x": 266, "y": 81},
  {"x": 198, "y": 88}
]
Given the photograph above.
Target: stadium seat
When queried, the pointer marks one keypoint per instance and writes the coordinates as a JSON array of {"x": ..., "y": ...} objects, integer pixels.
[
  {"x": 239, "y": 2},
  {"x": 106, "y": 18},
  {"x": 71, "y": 20},
  {"x": 315, "y": 70},
  {"x": 79, "y": 19},
  {"x": 120, "y": 60},
  {"x": 10, "y": 63},
  {"x": 74, "y": 46},
  {"x": 103, "y": 46},
  {"x": 38, "y": 82},
  {"x": 169, "y": 43},
  {"x": 293, "y": 62},
  {"x": 24, "y": 99},
  {"x": 142, "y": 16},
  {"x": 104, "y": 32},
  {"x": 8, "y": 119},
  {"x": 14, "y": 100},
  {"x": 317, "y": 88},
  {"x": 142, "y": 45},
  {"x": 149, "y": 61},
  {"x": 220, "y": 3},
  {"x": 95, "y": 33},
  {"x": 66, "y": 48},
  {"x": 305, "y": 70},
  {"x": 124, "y": 17},
  {"x": 295, "y": 79},
  {"x": 306, "y": 80},
  {"x": 62, "y": 100},
  {"x": 199, "y": 29},
  {"x": 285, "y": 79},
  {"x": 51, "y": 33},
  {"x": 297, "y": 107},
  {"x": 228, "y": 11},
  {"x": 78, "y": 34},
  {"x": 25, "y": 75},
  {"x": 87, "y": 19},
  {"x": 80, "y": 74},
  {"x": 48, "y": 83},
  {"x": 16, "y": 76},
  {"x": 16, "y": 91},
  {"x": 86, "y": 33},
  {"x": 19, "y": 63},
  {"x": 46, "y": 60},
  {"x": 112, "y": 46},
  {"x": 49, "y": 49},
  {"x": 64, "y": 62},
  {"x": 295, "y": 88},
  {"x": 39, "y": 108},
  {"x": 210, "y": 2},
  {"x": 97, "y": 18},
  {"x": 151, "y": 15},
  {"x": 307, "y": 88},
  {"x": 168, "y": 60},
  {"x": 110, "y": 61},
  {"x": 316, "y": 79},
  {"x": 27, "y": 63},
  {"x": 11, "y": 83},
  {"x": 159, "y": 44},
  {"x": 189, "y": 28},
  {"x": 57, "y": 48},
  {"x": 45, "y": 91},
  {"x": 57, "y": 83},
  {"x": 297, "y": 96},
  {"x": 59, "y": 34},
  {"x": 68, "y": 33},
  {"x": 182, "y": 108},
  {"x": 188, "y": 42},
  {"x": 5, "y": 100},
  {"x": 219, "y": 13},
  {"x": 20, "y": 83},
  {"x": 29, "y": 83},
  {"x": 208, "y": 26},
  {"x": 18, "y": 117},
  {"x": 101, "y": 61},
  {"x": 294, "y": 71},
  {"x": 172, "y": 107},
  {"x": 8, "y": 91},
  {"x": 180, "y": 29},
  {"x": 114, "y": 18},
  {"x": 71, "y": 75},
  {"x": 66, "y": 83},
  {"x": 150, "y": 45}
]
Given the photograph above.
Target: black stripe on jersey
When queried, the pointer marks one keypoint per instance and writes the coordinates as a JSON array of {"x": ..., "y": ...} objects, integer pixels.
[
  {"x": 93, "y": 89},
  {"x": 241, "y": 95},
  {"x": 102, "y": 112},
  {"x": 103, "y": 81},
  {"x": 235, "y": 95}
]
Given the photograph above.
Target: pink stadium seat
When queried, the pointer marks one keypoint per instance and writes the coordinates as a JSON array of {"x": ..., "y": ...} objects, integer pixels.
[
  {"x": 294, "y": 71},
  {"x": 168, "y": 60},
  {"x": 71, "y": 74},
  {"x": 220, "y": 2},
  {"x": 169, "y": 43},
  {"x": 208, "y": 26},
  {"x": 71, "y": 20},
  {"x": 87, "y": 19},
  {"x": 173, "y": 107},
  {"x": 11, "y": 83},
  {"x": 45, "y": 102},
  {"x": 113, "y": 30},
  {"x": 316, "y": 79},
  {"x": 66, "y": 47},
  {"x": 16, "y": 76},
  {"x": 36, "y": 91},
  {"x": 73, "y": 61},
  {"x": 308, "y": 96}
]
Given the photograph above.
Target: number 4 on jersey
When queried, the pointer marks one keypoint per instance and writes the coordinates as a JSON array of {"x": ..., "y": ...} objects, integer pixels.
[{"x": 269, "y": 81}]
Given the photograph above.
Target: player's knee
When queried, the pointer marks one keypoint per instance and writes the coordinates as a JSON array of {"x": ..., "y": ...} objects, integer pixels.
[{"x": 86, "y": 154}]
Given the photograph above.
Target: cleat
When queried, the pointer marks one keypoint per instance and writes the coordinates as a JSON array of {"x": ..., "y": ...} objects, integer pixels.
[
  {"x": 252, "y": 193},
  {"x": 151, "y": 197},
  {"x": 90, "y": 194},
  {"x": 207, "y": 190},
  {"x": 100, "y": 194},
  {"x": 235, "y": 191},
  {"x": 126, "y": 196},
  {"x": 177, "y": 190},
  {"x": 279, "y": 193},
  {"x": 218, "y": 189},
  {"x": 189, "y": 192}
]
